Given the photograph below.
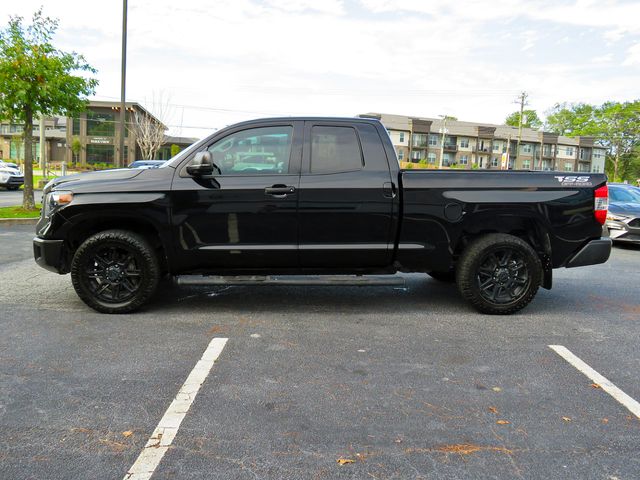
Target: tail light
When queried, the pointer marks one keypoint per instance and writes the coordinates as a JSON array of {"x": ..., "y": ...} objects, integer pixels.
[{"x": 601, "y": 203}]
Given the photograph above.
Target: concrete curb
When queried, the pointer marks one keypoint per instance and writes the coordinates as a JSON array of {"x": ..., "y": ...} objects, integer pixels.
[{"x": 18, "y": 221}]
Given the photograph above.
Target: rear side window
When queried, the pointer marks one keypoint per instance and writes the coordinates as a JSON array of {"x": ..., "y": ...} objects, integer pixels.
[{"x": 335, "y": 149}]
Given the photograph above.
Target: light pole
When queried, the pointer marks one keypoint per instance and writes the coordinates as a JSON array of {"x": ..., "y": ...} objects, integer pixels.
[
  {"x": 121, "y": 159},
  {"x": 443, "y": 131}
]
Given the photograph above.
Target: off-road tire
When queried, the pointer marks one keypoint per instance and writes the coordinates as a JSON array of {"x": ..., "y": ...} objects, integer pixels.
[
  {"x": 143, "y": 257},
  {"x": 479, "y": 253}
]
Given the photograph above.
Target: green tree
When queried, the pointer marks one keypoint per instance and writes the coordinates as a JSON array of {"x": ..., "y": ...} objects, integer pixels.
[
  {"x": 530, "y": 119},
  {"x": 76, "y": 147},
  {"x": 572, "y": 119},
  {"x": 36, "y": 79},
  {"x": 616, "y": 125},
  {"x": 175, "y": 149}
]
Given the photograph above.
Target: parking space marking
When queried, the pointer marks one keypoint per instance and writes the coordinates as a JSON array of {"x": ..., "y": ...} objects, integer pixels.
[
  {"x": 631, "y": 405},
  {"x": 165, "y": 432}
]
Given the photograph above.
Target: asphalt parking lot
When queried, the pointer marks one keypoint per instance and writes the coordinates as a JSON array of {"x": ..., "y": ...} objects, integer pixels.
[{"x": 391, "y": 382}]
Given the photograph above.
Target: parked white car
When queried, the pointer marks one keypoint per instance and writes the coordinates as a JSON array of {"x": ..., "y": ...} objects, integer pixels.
[{"x": 10, "y": 177}]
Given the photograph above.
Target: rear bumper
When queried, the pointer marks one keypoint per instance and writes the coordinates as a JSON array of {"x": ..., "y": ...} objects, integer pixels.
[
  {"x": 593, "y": 253},
  {"x": 49, "y": 254}
]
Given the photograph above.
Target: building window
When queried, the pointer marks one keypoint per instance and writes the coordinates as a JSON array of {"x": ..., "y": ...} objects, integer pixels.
[
  {"x": 401, "y": 137},
  {"x": 100, "y": 154},
  {"x": 595, "y": 169},
  {"x": 464, "y": 143},
  {"x": 400, "y": 154},
  {"x": 526, "y": 148},
  {"x": 433, "y": 140},
  {"x": 101, "y": 124},
  {"x": 597, "y": 154},
  {"x": 496, "y": 147},
  {"x": 568, "y": 166},
  {"x": 526, "y": 164},
  {"x": 569, "y": 151},
  {"x": 416, "y": 155},
  {"x": 464, "y": 160},
  {"x": 76, "y": 127},
  {"x": 494, "y": 162},
  {"x": 431, "y": 157},
  {"x": 419, "y": 140}
]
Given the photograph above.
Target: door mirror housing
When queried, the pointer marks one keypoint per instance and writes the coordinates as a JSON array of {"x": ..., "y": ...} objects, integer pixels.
[{"x": 202, "y": 164}]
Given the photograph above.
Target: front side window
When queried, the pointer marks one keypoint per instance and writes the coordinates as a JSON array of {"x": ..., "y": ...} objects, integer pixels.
[
  {"x": 334, "y": 149},
  {"x": 257, "y": 151}
]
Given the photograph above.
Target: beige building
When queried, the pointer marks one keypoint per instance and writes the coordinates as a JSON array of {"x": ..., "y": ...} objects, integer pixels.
[
  {"x": 97, "y": 130},
  {"x": 487, "y": 146}
]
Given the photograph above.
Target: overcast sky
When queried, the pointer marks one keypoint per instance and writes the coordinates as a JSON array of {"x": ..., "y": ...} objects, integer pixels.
[{"x": 228, "y": 60}]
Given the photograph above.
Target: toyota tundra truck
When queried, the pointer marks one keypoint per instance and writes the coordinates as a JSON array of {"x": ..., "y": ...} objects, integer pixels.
[{"x": 314, "y": 198}]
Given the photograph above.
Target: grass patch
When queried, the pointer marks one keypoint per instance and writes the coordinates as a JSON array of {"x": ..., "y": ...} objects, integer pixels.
[{"x": 19, "y": 212}]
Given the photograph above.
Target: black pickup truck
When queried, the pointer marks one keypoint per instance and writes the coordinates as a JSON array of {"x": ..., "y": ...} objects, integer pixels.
[{"x": 316, "y": 196}]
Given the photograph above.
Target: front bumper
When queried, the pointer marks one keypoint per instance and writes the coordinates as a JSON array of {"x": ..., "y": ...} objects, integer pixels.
[
  {"x": 50, "y": 254},
  {"x": 593, "y": 253},
  {"x": 13, "y": 181},
  {"x": 627, "y": 230}
]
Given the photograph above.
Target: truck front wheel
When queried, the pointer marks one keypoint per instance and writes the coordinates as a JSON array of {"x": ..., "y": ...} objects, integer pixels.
[
  {"x": 115, "y": 271},
  {"x": 499, "y": 274}
]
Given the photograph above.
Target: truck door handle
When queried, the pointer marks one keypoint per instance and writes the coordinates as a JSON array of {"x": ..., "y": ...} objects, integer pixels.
[{"x": 279, "y": 191}]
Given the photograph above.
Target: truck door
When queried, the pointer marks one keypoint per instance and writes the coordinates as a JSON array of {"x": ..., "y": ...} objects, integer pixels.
[
  {"x": 346, "y": 197},
  {"x": 244, "y": 215}
]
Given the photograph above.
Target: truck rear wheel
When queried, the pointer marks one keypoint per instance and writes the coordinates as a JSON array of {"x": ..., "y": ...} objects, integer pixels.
[
  {"x": 115, "y": 271},
  {"x": 499, "y": 274}
]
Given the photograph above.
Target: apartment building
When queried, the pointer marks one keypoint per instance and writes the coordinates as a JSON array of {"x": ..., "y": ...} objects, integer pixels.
[
  {"x": 98, "y": 131},
  {"x": 475, "y": 145}
]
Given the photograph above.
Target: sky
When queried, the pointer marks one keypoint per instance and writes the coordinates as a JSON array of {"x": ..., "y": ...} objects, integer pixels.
[{"x": 214, "y": 63}]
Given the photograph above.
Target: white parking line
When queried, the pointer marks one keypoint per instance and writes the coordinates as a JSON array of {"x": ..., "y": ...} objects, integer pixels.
[
  {"x": 632, "y": 405},
  {"x": 165, "y": 432}
]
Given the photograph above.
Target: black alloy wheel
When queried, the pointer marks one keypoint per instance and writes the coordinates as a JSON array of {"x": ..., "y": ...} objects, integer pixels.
[
  {"x": 503, "y": 276},
  {"x": 499, "y": 273},
  {"x": 115, "y": 271}
]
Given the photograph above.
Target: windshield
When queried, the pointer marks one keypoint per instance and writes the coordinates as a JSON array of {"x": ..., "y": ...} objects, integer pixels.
[{"x": 624, "y": 195}]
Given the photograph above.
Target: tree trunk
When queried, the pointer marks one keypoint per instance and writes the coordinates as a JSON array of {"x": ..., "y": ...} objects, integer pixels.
[
  {"x": 27, "y": 198},
  {"x": 615, "y": 164}
]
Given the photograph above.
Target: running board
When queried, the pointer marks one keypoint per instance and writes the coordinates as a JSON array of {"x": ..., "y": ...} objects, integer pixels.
[{"x": 327, "y": 280}]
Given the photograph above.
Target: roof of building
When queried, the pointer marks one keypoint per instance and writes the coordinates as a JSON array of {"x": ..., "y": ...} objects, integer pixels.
[{"x": 470, "y": 129}]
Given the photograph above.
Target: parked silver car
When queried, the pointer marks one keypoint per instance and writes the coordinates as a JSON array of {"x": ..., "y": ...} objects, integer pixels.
[{"x": 623, "y": 218}]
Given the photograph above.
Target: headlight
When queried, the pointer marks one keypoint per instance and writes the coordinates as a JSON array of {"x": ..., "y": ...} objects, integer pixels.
[
  {"x": 4, "y": 177},
  {"x": 616, "y": 218},
  {"x": 55, "y": 200}
]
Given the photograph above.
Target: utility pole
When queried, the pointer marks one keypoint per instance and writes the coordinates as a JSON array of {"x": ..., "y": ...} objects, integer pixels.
[
  {"x": 523, "y": 101},
  {"x": 121, "y": 160},
  {"x": 444, "y": 132}
]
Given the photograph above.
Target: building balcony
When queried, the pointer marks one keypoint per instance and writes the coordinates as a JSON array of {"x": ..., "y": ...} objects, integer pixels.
[
  {"x": 450, "y": 147},
  {"x": 481, "y": 149},
  {"x": 419, "y": 144}
]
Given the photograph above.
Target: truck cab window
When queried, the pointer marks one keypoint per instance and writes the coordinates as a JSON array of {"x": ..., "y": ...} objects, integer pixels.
[
  {"x": 335, "y": 149},
  {"x": 257, "y": 151}
]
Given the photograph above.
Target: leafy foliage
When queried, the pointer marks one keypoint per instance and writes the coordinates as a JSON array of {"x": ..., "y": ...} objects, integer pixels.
[
  {"x": 36, "y": 79},
  {"x": 530, "y": 119},
  {"x": 616, "y": 125}
]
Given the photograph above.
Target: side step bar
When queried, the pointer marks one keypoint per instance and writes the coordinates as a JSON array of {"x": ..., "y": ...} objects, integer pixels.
[{"x": 327, "y": 280}]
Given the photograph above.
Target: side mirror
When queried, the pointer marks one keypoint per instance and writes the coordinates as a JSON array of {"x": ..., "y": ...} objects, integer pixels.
[{"x": 201, "y": 164}]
